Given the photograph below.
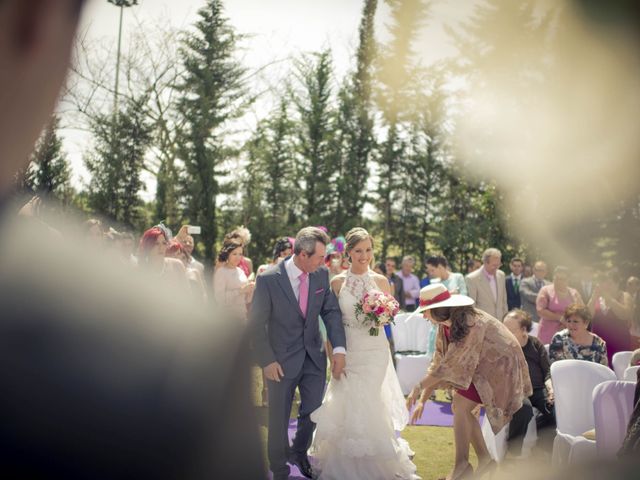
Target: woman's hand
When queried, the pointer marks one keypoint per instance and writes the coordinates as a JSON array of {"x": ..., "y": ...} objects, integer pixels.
[
  {"x": 417, "y": 412},
  {"x": 413, "y": 396}
]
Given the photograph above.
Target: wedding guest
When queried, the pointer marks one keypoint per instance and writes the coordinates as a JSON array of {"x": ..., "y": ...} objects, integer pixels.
[
  {"x": 188, "y": 243},
  {"x": 530, "y": 287},
  {"x": 527, "y": 271},
  {"x": 631, "y": 444},
  {"x": 231, "y": 288},
  {"x": 152, "y": 255},
  {"x": 576, "y": 342},
  {"x": 473, "y": 264},
  {"x": 478, "y": 356},
  {"x": 513, "y": 283},
  {"x": 633, "y": 289},
  {"x": 397, "y": 288},
  {"x": 94, "y": 231},
  {"x": 552, "y": 301},
  {"x": 242, "y": 235},
  {"x": 612, "y": 311},
  {"x": 519, "y": 324},
  {"x": 585, "y": 282},
  {"x": 104, "y": 375},
  {"x": 410, "y": 283},
  {"x": 281, "y": 250},
  {"x": 438, "y": 269},
  {"x": 380, "y": 268},
  {"x": 194, "y": 277},
  {"x": 487, "y": 285}
]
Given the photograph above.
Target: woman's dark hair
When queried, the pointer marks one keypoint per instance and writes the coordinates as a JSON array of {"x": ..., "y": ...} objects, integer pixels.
[
  {"x": 458, "y": 317},
  {"x": 437, "y": 260},
  {"x": 226, "y": 250},
  {"x": 575, "y": 309},
  {"x": 281, "y": 245},
  {"x": 382, "y": 267}
]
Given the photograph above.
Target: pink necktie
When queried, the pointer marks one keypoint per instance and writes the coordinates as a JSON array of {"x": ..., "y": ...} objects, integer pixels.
[{"x": 303, "y": 296}]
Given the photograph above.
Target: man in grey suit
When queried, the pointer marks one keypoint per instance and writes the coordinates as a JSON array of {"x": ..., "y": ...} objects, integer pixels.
[
  {"x": 487, "y": 285},
  {"x": 530, "y": 287},
  {"x": 287, "y": 301}
]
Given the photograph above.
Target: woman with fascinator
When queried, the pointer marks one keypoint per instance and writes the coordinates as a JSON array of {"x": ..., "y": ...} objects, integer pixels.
[{"x": 478, "y": 357}]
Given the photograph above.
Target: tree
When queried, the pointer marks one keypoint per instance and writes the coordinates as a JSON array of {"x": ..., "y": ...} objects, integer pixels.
[
  {"x": 117, "y": 161},
  {"x": 315, "y": 130},
  {"x": 212, "y": 94},
  {"x": 355, "y": 135}
]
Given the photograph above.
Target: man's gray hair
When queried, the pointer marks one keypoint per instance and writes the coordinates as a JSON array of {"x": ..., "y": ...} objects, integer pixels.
[
  {"x": 491, "y": 252},
  {"x": 307, "y": 238},
  {"x": 409, "y": 258}
]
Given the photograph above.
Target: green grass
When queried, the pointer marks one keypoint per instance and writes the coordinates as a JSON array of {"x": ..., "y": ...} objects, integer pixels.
[{"x": 433, "y": 445}]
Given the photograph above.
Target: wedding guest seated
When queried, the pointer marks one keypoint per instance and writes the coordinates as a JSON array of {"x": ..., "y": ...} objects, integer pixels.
[
  {"x": 635, "y": 358},
  {"x": 576, "y": 342},
  {"x": 478, "y": 356},
  {"x": 631, "y": 443},
  {"x": 519, "y": 324}
]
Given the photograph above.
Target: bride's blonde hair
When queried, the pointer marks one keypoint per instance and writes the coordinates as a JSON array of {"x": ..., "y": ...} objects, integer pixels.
[{"x": 354, "y": 237}]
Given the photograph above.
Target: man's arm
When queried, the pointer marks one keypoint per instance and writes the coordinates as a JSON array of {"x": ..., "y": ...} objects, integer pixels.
[
  {"x": 526, "y": 291},
  {"x": 472, "y": 288}
]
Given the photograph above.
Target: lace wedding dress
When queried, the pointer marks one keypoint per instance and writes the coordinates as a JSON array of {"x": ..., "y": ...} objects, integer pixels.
[{"x": 355, "y": 436}]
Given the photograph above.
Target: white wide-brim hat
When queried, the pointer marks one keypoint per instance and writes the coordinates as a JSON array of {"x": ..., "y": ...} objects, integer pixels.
[{"x": 437, "y": 296}]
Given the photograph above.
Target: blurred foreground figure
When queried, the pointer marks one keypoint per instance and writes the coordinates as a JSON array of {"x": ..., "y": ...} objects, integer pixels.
[{"x": 104, "y": 374}]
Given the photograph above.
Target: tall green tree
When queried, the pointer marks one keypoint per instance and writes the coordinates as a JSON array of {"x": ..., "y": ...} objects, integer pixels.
[
  {"x": 212, "y": 94},
  {"x": 356, "y": 141},
  {"x": 49, "y": 170},
  {"x": 117, "y": 161},
  {"x": 315, "y": 131},
  {"x": 395, "y": 75}
]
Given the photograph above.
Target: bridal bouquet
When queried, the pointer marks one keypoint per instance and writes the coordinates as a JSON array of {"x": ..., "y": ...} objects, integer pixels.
[{"x": 376, "y": 309}]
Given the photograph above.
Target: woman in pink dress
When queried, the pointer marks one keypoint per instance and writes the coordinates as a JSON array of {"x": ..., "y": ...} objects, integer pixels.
[{"x": 551, "y": 303}]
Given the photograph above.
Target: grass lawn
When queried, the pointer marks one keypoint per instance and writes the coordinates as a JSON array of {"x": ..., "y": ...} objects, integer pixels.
[{"x": 433, "y": 445}]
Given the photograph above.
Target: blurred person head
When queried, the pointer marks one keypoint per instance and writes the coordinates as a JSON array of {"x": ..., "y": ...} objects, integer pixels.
[
  {"x": 578, "y": 317},
  {"x": 611, "y": 282},
  {"x": 519, "y": 323},
  {"x": 93, "y": 230},
  {"x": 527, "y": 271},
  {"x": 188, "y": 243},
  {"x": 437, "y": 267},
  {"x": 633, "y": 285},
  {"x": 282, "y": 249},
  {"x": 473, "y": 264},
  {"x": 516, "y": 265},
  {"x": 586, "y": 273},
  {"x": 310, "y": 248},
  {"x": 540, "y": 270},
  {"x": 35, "y": 48},
  {"x": 153, "y": 245},
  {"x": 561, "y": 278},
  {"x": 408, "y": 262},
  {"x": 390, "y": 265},
  {"x": 491, "y": 260},
  {"x": 380, "y": 268},
  {"x": 240, "y": 235},
  {"x": 359, "y": 247},
  {"x": 230, "y": 254}
]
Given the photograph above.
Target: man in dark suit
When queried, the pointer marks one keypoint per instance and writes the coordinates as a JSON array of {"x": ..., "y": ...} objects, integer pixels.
[
  {"x": 287, "y": 302},
  {"x": 513, "y": 283},
  {"x": 397, "y": 287}
]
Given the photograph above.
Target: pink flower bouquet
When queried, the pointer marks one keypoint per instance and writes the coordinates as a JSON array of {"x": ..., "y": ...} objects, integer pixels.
[{"x": 376, "y": 309}]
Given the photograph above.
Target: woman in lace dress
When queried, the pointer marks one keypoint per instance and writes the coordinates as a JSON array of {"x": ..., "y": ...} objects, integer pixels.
[{"x": 357, "y": 422}]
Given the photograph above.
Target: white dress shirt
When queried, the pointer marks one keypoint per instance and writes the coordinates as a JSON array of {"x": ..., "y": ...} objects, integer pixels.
[{"x": 293, "y": 272}]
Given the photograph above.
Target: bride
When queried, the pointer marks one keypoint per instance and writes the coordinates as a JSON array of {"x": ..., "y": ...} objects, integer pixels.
[{"x": 356, "y": 425}]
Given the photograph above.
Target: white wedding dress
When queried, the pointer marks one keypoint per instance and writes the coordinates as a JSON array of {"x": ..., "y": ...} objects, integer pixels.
[{"x": 355, "y": 437}]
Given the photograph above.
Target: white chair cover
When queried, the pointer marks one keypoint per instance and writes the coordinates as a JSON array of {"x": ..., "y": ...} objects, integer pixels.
[
  {"x": 631, "y": 374},
  {"x": 535, "y": 327},
  {"x": 620, "y": 362},
  {"x": 411, "y": 334},
  {"x": 497, "y": 444},
  {"x": 573, "y": 385},
  {"x": 612, "y": 408}
]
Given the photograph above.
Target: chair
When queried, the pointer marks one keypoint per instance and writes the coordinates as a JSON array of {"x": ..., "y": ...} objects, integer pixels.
[
  {"x": 497, "y": 444},
  {"x": 612, "y": 408},
  {"x": 620, "y": 362},
  {"x": 411, "y": 339},
  {"x": 573, "y": 385},
  {"x": 631, "y": 374}
]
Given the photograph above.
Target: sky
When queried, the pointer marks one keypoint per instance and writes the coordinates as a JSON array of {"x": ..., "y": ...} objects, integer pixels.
[{"x": 277, "y": 31}]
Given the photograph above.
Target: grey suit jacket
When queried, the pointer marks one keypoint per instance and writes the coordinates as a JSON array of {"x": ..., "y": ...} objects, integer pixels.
[
  {"x": 529, "y": 294},
  {"x": 280, "y": 332},
  {"x": 479, "y": 289}
]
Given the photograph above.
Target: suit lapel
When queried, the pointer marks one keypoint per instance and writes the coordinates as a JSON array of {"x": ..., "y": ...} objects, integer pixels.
[{"x": 285, "y": 284}]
